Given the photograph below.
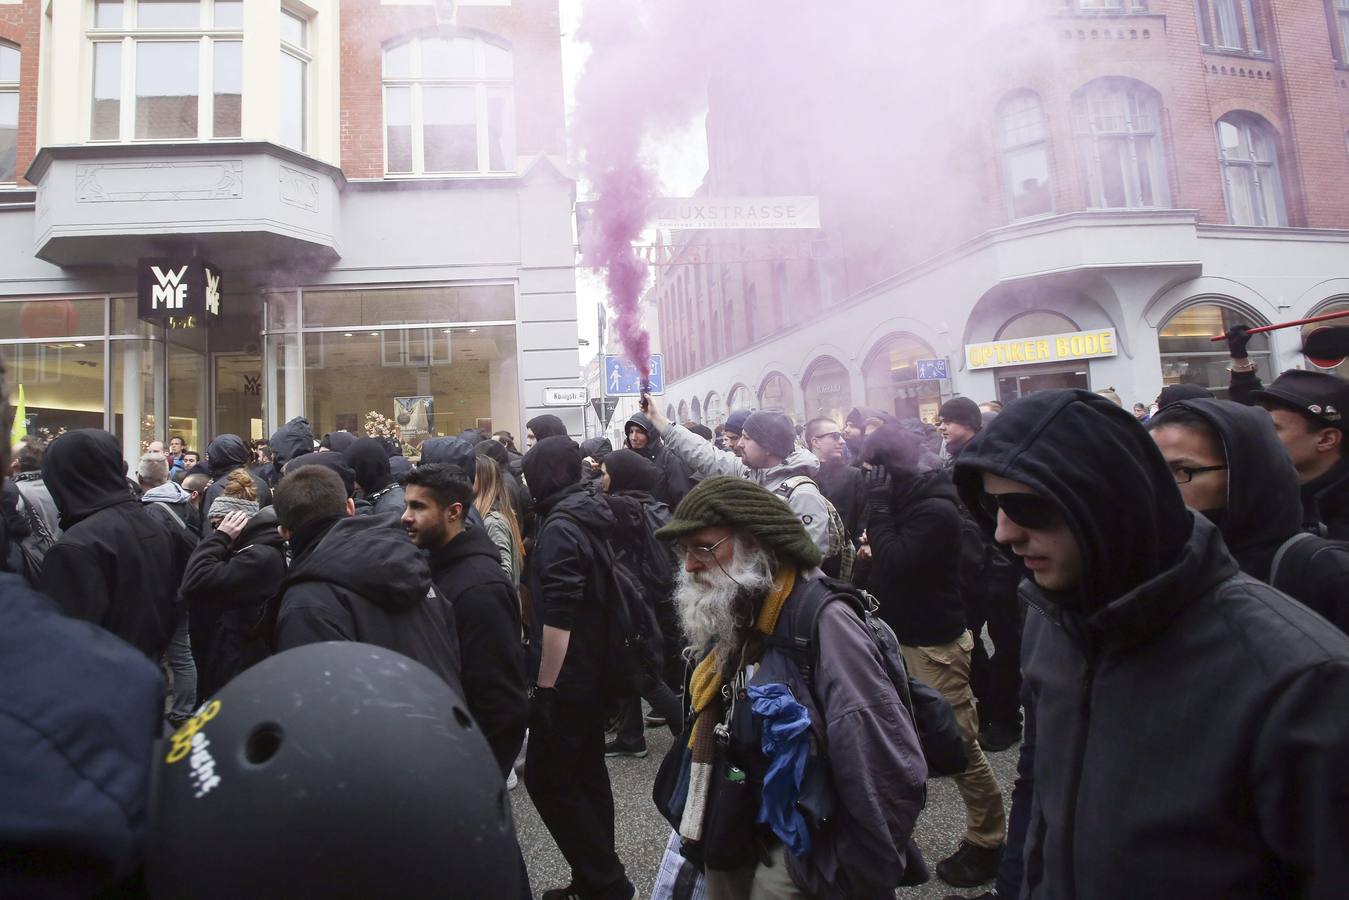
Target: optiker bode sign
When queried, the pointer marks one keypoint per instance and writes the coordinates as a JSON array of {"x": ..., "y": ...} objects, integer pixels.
[
  {"x": 180, "y": 293},
  {"x": 1044, "y": 349}
]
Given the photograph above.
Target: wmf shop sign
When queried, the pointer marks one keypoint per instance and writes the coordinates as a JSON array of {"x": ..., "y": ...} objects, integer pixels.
[{"x": 178, "y": 293}]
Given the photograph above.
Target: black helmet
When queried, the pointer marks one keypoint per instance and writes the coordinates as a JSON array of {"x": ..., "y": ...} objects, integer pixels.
[{"x": 331, "y": 770}]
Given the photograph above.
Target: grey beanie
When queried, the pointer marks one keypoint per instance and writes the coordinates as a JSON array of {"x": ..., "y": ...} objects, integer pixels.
[
  {"x": 772, "y": 431},
  {"x": 223, "y": 506}
]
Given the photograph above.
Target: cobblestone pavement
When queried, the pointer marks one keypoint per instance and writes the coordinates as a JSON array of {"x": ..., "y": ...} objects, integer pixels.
[{"x": 642, "y": 832}]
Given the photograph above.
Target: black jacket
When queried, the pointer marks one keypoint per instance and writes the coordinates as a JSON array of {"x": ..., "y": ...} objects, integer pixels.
[
  {"x": 225, "y": 454},
  {"x": 674, "y": 481},
  {"x": 566, "y": 585},
  {"x": 915, "y": 565},
  {"x": 293, "y": 439},
  {"x": 487, "y": 615},
  {"x": 361, "y": 579},
  {"x": 226, "y": 588},
  {"x": 79, "y": 715},
  {"x": 115, "y": 564},
  {"x": 1191, "y": 737},
  {"x": 845, "y": 487},
  {"x": 1264, "y": 509}
]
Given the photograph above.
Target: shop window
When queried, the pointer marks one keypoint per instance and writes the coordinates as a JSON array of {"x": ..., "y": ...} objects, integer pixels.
[
  {"x": 776, "y": 393},
  {"x": 1189, "y": 357},
  {"x": 9, "y": 113},
  {"x": 408, "y": 306},
  {"x": 1025, "y": 155},
  {"x": 62, "y": 382},
  {"x": 1020, "y": 381},
  {"x": 148, "y": 60},
  {"x": 713, "y": 412},
  {"x": 739, "y": 398},
  {"x": 828, "y": 390},
  {"x": 1117, "y": 127},
  {"x": 1341, "y": 305},
  {"x": 890, "y": 379},
  {"x": 449, "y": 106},
  {"x": 294, "y": 87},
  {"x": 1248, "y": 153}
]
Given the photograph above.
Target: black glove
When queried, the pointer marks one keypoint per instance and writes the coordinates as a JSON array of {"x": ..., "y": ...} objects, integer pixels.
[
  {"x": 877, "y": 480},
  {"x": 542, "y": 703},
  {"x": 1238, "y": 336}
]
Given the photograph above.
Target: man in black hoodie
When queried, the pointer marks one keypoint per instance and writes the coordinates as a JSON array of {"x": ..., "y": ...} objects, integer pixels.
[
  {"x": 223, "y": 455},
  {"x": 115, "y": 564},
  {"x": 1230, "y": 466},
  {"x": 357, "y": 578},
  {"x": 370, "y": 463},
  {"x": 1191, "y": 737},
  {"x": 564, "y": 767},
  {"x": 540, "y": 427},
  {"x": 673, "y": 480},
  {"x": 291, "y": 440},
  {"x": 913, "y": 523},
  {"x": 466, "y": 566}
]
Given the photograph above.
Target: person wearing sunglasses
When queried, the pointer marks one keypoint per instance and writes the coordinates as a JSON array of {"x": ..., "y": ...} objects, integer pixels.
[
  {"x": 842, "y": 484},
  {"x": 914, "y": 529},
  {"x": 1230, "y": 466},
  {"x": 1190, "y": 727}
]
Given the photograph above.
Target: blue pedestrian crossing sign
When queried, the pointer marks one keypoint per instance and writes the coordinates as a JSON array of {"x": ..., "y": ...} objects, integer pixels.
[
  {"x": 933, "y": 370},
  {"x": 621, "y": 378}
]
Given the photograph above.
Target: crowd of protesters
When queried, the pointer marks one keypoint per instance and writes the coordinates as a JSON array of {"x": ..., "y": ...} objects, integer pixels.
[{"x": 1151, "y": 606}]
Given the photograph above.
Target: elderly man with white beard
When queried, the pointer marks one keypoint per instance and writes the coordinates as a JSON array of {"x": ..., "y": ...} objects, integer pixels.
[{"x": 794, "y": 779}]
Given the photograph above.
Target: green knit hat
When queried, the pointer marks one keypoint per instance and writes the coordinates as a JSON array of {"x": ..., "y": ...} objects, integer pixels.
[{"x": 736, "y": 503}]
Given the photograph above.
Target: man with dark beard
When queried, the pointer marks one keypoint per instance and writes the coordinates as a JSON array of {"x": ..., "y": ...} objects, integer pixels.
[{"x": 749, "y": 570}]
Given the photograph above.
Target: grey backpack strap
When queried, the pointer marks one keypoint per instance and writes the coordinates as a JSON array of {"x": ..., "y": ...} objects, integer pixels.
[
  {"x": 168, "y": 509},
  {"x": 1299, "y": 538}
]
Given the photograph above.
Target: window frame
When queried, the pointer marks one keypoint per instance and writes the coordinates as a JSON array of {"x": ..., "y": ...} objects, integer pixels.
[
  {"x": 1261, "y": 172},
  {"x": 1250, "y": 31},
  {"x": 482, "y": 85},
  {"x": 305, "y": 56},
  {"x": 128, "y": 38},
  {"x": 1091, "y": 137},
  {"x": 12, "y": 87},
  {"x": 1337, "y": 13},
  {"x": 1006, "y": 149}
]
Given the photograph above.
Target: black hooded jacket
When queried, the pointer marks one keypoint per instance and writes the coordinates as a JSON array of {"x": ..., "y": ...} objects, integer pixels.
[
  {"x": 1190, "y": 732},
  {"x": 293, "y": 439},
  {"x": 1325, "y": 503},
  {"x": 546, "y": 426},
  {"x": 487, "y": 614},
  {"x": 359, "y": 578},
  {"x": 225, "y": 454},
  {"x": 369, "y": 463},
  {"x": 115, "y": 564},
  {"x": 226, "y": 587},
  {"x": 564, "y": 577},
  {"x": 1264, "y": 510},
  {"x": 674, "y": 481}
]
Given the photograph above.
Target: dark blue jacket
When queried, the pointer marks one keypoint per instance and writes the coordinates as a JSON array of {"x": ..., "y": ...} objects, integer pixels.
[{"x": 79, "y": 714}]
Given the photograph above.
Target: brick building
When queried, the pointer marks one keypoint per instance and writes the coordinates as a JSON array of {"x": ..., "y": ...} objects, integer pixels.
[
  {"x": 1132, "y": 176},
  {"x": 379, "y": 184}
]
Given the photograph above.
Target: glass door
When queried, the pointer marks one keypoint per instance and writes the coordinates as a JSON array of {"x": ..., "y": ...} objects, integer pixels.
[{"x": 238, "y": 394}]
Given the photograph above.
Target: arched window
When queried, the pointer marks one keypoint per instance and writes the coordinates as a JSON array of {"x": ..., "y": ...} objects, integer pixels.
[
  {"x": 683, "y": 411},
  {"x": 1189, "y": 357},
  {"x": 1025, "y": 155},
  {"x": 696, "y": 411},
  {"x": 890, "y": 377},
  {"x": 1117, "y": 126},
  {"x": 828, "y": 389},
  {"x": 9, "y": 113},
  {"x": 713, "y": 413},
  {"x": 739, "y": 399},
  {"x": 670, "y": 413},
  {"x": 1248, "y": 154},
  {"x": 449, "y": 106},
  {"x": 776, "y": 393}
]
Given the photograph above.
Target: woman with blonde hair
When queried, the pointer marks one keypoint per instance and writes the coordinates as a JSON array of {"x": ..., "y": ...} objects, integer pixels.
[{"x": 492, "y": 500}]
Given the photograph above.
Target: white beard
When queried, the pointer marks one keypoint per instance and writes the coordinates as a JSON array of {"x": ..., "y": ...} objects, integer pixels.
[{"x": 709, "y": 601}]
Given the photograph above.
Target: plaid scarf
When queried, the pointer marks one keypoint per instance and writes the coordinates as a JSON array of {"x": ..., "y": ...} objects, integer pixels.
[{"x": 705, "y": 690}]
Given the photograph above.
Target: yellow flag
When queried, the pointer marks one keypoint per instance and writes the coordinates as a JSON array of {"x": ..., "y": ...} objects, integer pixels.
[{"x": 20, "y": 429}]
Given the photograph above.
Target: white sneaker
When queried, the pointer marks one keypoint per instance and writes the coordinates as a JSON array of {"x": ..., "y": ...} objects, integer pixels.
[{"x": 512, "y": 780}]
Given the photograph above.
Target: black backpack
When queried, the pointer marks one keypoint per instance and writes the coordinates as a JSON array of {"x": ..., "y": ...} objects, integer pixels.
[
  {"x": 633, "y": 641},
  {"x": 33, "y": 549},
  {"x": 933, "y": 718}
]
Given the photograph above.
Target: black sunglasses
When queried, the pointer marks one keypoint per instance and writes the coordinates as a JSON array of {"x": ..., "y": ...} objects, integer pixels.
[{"x": 1026, "y": 510}]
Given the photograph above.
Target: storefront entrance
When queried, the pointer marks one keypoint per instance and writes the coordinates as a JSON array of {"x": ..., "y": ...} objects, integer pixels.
[
  {"x": 238, "y": 394},
  {"x": 1021, "y": 382}
]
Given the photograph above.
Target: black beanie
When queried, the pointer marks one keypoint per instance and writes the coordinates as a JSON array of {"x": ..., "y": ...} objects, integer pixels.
[
  {"x": 630, "y": 471},
  {"x": 962, "y": 411},
  {"x": 772, "y": 431},
  {"x": 735, "y": 422}
]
